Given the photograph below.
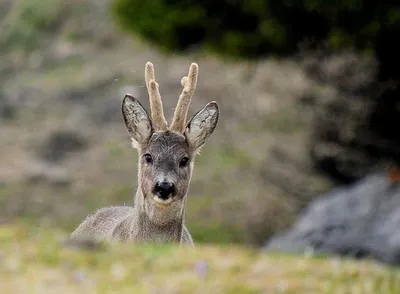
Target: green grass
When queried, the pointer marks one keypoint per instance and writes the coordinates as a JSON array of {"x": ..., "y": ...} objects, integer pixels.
[
  {"x": 216, "y": 232},
  {"x": 223, "y": 158},
  {"x": 33, "y": 260}
]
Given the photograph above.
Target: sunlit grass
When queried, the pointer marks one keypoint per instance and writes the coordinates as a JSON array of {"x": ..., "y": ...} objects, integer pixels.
[{"x": 33, "y": 260}]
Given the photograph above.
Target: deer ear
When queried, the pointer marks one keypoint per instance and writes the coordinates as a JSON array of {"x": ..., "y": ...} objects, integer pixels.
[
  {"x": 202, "y": 125},
  {"x": 136, "y": 120}
]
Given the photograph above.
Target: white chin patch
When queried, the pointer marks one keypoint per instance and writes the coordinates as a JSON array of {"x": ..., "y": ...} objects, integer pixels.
[{"x": 161, "y": 201}]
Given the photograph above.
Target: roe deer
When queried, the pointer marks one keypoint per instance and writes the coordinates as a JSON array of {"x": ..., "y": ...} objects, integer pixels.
[{"x": 166, "y": 159}]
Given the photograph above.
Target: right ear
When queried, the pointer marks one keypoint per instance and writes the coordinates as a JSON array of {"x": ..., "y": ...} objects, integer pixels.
[
  {"x": 136, "y": 120},
  {"x": 202, "y": 125}
]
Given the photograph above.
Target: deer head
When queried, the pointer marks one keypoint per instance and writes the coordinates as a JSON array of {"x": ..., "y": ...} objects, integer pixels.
[{"x": 166, "y": 153}]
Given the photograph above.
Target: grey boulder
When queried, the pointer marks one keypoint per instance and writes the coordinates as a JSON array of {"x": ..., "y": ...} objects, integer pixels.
[{"x": 360, "y": 221}]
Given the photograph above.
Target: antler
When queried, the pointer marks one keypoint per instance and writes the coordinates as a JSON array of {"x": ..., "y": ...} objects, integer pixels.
[
  {"x": 189, "y": 86},
  {"x": 157, "y": 113}
]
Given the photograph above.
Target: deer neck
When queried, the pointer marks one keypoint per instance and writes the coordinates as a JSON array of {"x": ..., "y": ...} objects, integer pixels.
[{"x": 158, "y": 224}]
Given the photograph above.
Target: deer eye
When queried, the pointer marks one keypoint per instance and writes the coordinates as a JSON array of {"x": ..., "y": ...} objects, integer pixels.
[
  {"x": 184, "y": 162},
  {"x": 148, "y": 158}
]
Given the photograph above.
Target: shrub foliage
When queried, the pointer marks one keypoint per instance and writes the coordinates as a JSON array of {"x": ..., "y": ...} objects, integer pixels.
[{"x": 255, "y": 28}]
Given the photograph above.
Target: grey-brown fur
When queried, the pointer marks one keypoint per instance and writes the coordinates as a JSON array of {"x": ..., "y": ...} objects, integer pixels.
[{"x": 166, "y": 159}]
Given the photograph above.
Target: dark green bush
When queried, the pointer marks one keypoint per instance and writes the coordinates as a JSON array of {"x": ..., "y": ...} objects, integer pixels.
[{"x": 254, "y": 28}]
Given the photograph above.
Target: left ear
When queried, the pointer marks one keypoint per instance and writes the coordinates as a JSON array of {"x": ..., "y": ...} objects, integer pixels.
[
  {"x": 202, "y": 125},
  {"x": 136, "y": 120}
]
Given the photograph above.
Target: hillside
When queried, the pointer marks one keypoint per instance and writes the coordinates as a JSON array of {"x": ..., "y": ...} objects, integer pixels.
[{"x": 65, "y": 152}]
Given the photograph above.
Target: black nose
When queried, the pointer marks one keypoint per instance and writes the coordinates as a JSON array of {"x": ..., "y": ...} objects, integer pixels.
[{"x": 165, "y": 189}]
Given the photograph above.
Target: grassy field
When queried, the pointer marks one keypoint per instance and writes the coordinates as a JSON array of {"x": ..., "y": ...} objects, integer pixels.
[
  {"x": 37, "y": 260},
  {"x": 63, "y": 72},
  {"x": 66, "y": 67}
]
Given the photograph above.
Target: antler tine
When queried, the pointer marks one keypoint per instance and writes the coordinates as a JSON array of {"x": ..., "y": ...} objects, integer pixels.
[
  {"x": 156, "y": 107},
  {"x": 189, "y": 86}
]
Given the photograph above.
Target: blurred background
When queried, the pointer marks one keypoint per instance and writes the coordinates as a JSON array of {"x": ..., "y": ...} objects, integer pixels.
[{"x": 308, "y": 93}]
